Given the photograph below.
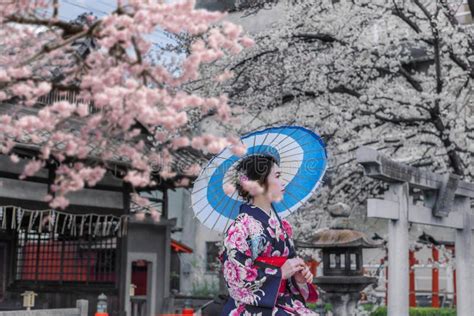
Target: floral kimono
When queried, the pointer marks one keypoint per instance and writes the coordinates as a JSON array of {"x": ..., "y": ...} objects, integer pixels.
[{"x": 257, "y": 288}]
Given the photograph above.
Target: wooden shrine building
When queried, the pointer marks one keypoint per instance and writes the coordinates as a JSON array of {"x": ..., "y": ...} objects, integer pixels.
[{"x": 92, "y": 247}]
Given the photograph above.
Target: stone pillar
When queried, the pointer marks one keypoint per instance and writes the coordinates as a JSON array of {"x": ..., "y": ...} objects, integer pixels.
[
  {"x": 464, "y": 261},
  {"x": 398, "y": 246}
]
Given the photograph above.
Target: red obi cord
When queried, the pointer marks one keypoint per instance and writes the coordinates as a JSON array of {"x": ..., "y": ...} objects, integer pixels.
[{"x": 277, "y": 262}]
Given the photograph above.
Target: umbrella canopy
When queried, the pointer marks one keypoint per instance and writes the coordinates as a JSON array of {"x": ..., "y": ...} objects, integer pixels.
[{"x": 300, "y": 153}]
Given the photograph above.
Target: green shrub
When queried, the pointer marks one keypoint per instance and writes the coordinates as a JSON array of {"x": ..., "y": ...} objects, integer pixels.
[
  {"x": 368, "y": 307},
  {"x": 381, "y": 311},
  {"x": 312, "y": 306},
  {"x": 420, "y": 311},
  {"x": 327, "y": 307}
]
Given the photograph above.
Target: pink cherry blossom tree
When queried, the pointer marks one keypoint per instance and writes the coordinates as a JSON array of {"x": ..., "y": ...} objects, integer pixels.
[{"x": 86, "y": 96}]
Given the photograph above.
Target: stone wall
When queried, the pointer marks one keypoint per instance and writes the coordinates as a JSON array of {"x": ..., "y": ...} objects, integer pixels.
[{"x": 80, "y": 310}]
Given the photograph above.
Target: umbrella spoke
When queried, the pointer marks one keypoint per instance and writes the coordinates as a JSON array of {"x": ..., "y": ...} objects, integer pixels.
[
  {"x": 199, "y": 190},
  {"x": 274, "y": 138},
  {"x": 227, "y": 226},
  {"x": 231, "y": 210},
  {"x": 286, "y": 145},
  {"x": 264, "y": 139},
  {"x": 205, "y": 196},
  {"x": 220, "y": 157},
  {"x": 231, "y": 169},
  {"x": 299, "y": 167},
  {"x": 299, "y": 146},
  {"x": 215, "y": 209},
  {"x": 307, "y": 152},
  {"x": 211, "y": 165},
  {"x": 285, "y": 205},
  {"x": 217, "y": 206},
  {"x": 288, "y": 161},
  {"x": 208, "y": 204},
  {"x": 286, "y": 137},
  {"x": 299, "y": 201}
]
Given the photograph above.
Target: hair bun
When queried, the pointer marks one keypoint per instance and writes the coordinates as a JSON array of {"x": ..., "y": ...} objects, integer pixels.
[{"x": 255, "y": 168}]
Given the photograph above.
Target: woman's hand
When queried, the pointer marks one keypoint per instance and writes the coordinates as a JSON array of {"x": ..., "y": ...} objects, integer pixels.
[
  {"x": 304, "y": 275},
  {"x": 291, "y": 267}
]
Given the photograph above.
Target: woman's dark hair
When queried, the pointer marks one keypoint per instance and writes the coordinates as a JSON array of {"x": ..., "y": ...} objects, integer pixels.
[{"x": 255, "y": 168}]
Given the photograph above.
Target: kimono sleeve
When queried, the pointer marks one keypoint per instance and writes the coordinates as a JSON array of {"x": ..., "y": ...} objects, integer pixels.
[
  {"x": 306, "y": 290},
  {"x": 246, "y": 282}
]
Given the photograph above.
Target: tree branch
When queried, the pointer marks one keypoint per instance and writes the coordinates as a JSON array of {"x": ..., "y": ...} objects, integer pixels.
[
  {"x": 415, "y": 84},
  {"x": 68, "y": 28},
  {"x": 49, "y": 48},
  {"x": 401, "y": 15},
  {"x": 311, "y": 37},
  {"x": 345, "y": 90},
  {"x": 464, "y": 66},
  {"x": 253, "y": 58}
]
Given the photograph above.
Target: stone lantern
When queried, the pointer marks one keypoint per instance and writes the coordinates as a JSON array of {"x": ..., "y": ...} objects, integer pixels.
[
  {"x": 102, "y": 305},
  {"x": 343, "y": 277},
  {"x": 29, "y": 299}
]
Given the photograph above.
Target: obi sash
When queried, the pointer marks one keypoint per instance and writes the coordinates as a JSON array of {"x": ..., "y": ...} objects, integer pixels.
[{"x": 272, "y": 262}]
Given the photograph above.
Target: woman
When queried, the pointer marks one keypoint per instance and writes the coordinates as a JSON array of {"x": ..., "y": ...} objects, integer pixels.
[{"x": 263, "y": 274}]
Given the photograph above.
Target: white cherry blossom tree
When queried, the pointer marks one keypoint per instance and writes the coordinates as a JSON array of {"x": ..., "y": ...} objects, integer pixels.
[{"x": 394, "y": 75}]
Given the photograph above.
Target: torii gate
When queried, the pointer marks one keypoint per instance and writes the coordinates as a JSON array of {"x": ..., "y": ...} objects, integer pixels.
[{"x": 447, "y": 204}]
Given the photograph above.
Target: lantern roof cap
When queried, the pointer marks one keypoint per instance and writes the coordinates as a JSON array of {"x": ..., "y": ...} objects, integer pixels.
[
  {"x": 339, "y": 238},
  {"x": 102, "y": 297}
]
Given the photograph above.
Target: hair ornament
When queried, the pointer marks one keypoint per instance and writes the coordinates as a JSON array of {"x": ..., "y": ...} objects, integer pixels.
[{"x": 243, "y": 178}]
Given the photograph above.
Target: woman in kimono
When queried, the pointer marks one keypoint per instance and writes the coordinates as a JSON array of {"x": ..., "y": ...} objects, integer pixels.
[{"x": 262, "y": 272}]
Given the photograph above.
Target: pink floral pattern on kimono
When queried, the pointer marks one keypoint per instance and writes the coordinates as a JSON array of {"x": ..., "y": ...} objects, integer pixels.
[{"x": 253, "y": 289}]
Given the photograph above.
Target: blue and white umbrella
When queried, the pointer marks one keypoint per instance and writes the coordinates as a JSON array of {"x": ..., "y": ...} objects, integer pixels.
[{"x": 302, "y": 158}]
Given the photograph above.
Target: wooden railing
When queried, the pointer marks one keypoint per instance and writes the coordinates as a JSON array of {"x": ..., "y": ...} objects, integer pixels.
[{"x": 70, "y": 96}]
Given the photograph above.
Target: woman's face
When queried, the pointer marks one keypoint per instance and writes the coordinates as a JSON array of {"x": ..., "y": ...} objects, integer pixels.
[{"x": 275, "y": 187}]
